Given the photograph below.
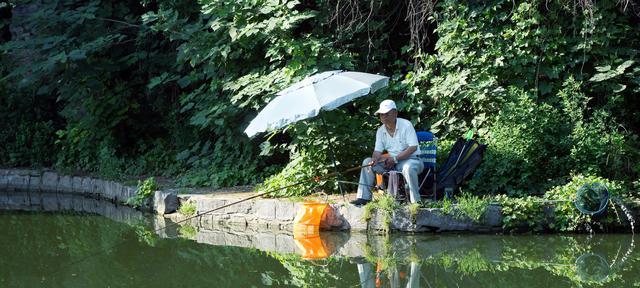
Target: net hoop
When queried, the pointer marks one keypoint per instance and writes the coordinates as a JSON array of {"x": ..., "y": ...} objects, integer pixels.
[{"x": 592, "y": 198}]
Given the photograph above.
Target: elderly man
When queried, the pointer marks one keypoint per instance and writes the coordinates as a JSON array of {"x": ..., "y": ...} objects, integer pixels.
[{"x": 398, "y": 137}]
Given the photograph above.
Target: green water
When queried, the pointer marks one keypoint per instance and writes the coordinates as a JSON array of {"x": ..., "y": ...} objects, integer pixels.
[{"x": 82, "y": 250}]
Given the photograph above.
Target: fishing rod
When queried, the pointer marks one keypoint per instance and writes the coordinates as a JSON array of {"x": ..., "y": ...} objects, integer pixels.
[{"x": 315, "y": 179}]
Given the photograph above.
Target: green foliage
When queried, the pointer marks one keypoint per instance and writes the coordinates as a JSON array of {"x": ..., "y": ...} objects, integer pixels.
[
  {"x": 472, "y": 263},
  {"x": 466, "y": 206},
  {"x": 188, "y": 208},
  {"x": 566, "y": 216},
  {"x": 520, "y": 214},
  {"x": 515, "y": 70},
  {"x": 556, "y": 210},
  {"x": 27, "y": 126},
  {"x": 188, "y": 231},
  {"x": 447, "y": 206},
  {"x": 144, "y": 191},
  {"x": 167, "y": 88},
  {"x": 471, "y": 206},
  {"x": 241, "y": 54},
  {"x": 109, "y": 166},
  {"x": 413, "y": 209},
  {"x": 385, "y": 206},
  {"x": 296, "y": 171},
  {"x": 525, "y": 135},
  {"x": 146, "y": 236},
  {"x": 89, "y": 62},
  {"x": 305, "y": 273}
]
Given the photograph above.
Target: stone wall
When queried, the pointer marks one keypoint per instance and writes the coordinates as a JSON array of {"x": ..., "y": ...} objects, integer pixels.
[
  {"x": 33, "y": 181},
  {"x": 351, "y": 245},
  {"x": 279, "y": 215},
  {"x": 44, "y": 201},
  {"x": 257, "y": 215}
]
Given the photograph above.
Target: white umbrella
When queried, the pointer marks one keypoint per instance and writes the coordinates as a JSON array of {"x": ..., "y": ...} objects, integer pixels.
[{"x": 326, "y": 91}]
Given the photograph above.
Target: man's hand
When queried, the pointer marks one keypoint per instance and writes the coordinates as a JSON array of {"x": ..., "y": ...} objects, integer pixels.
[
  {"x": 389, "y": 163},
  {"x": 375, "y": 158}
]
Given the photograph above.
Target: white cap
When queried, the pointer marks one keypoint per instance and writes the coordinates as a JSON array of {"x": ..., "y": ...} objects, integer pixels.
[{"x": 386, "y": 106}]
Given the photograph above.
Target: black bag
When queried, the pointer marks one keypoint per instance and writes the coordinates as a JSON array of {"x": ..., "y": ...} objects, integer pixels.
[{"x": 464, "y": 158}]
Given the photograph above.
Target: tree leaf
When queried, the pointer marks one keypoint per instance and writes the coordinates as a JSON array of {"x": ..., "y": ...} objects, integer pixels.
[
  {"x": 617, "y": 88},
  {"x": 624, "y": 66},
  {"x": 77, "y": 54}
]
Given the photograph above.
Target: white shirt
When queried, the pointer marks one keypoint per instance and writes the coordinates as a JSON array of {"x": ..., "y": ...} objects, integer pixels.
[{"x": 404, "y": 137}]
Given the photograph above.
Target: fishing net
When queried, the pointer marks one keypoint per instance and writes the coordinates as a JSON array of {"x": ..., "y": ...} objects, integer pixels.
[
  {"x": 592, "y": 198},
  {"x": 592, "y": 268}
]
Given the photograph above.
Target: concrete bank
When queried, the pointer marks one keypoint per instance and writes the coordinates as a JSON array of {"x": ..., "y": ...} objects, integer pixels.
[
  {"x": 13, "y": 181},
  {"x": 267, "y": 215},
  {"x": 279, "y": 214},
  {"x": 351, "y": 245}
]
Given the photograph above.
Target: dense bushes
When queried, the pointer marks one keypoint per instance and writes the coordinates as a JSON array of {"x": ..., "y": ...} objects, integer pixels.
[{"x": 165, "y": 87}]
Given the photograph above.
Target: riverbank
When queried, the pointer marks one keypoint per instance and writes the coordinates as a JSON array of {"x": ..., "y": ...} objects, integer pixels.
[
  {"x": 252, "y": 215},
  {"x": 61, "y": 244},
  {"x": 256, "y": 214}
]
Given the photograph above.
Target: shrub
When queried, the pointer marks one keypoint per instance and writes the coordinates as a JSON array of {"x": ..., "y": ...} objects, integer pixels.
[
  {"x": 187, "y": 209},
  {"x": 145, "y": 190},
  {"x": 566, "y": 216},
  {"x": 471, "y": 206},
  {"x": 519, "y": 214},
  {"x": 525, "y": 149}
]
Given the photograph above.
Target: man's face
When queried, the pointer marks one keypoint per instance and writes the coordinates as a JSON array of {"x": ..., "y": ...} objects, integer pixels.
[{"x": 389, "y": 117}]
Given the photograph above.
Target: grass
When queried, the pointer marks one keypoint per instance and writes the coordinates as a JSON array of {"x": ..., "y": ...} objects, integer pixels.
[
  {"x": 385, "y": 204},
  {"x": 187, "y": 209},
  {"x": 467, "y": 206},
  {"x": 472, "y": 206},
  {"x": 188, "y": 232},
  {"x": 413, "y": 210}
]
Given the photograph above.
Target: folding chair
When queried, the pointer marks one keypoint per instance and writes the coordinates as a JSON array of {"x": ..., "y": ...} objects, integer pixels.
[{"x": 428, "y": 149}]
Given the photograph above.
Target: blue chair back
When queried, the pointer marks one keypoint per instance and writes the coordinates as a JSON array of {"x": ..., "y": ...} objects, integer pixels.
[{"x": 428, "y": 148}]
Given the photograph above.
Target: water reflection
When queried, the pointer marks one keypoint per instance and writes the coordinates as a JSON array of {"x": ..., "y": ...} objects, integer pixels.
[
  {"x": 391, "y": 277},
  {"x": 63, "y": 202},
  {"x": 455, "y": 260},
  {"x": 128, "y": 249},
  {"x": 546, "y": 260}
]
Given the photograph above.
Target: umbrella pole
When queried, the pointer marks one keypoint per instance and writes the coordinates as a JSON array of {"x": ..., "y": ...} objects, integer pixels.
[{"x": 333, "y": 156}]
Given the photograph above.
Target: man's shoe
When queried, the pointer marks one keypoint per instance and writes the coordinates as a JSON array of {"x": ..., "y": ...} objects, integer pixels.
[{"x": 360, "y": 201}]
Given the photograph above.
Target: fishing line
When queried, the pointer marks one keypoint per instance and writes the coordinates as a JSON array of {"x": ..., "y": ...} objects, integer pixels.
[{"x": 315, "y": 179}]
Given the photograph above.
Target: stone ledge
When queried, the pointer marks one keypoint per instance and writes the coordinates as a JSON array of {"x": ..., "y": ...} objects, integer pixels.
[
  {"x": 254, "y": 215},
  {"x": 279, "y": 214},
  {"x": 34, "y": 181}
]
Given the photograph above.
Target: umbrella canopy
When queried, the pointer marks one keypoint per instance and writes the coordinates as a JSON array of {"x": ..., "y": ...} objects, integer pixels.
[{"x": 305, "y": 99}]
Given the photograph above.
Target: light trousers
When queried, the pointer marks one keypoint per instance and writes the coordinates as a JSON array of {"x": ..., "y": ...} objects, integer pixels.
[{"x": 410, "y": 169}]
